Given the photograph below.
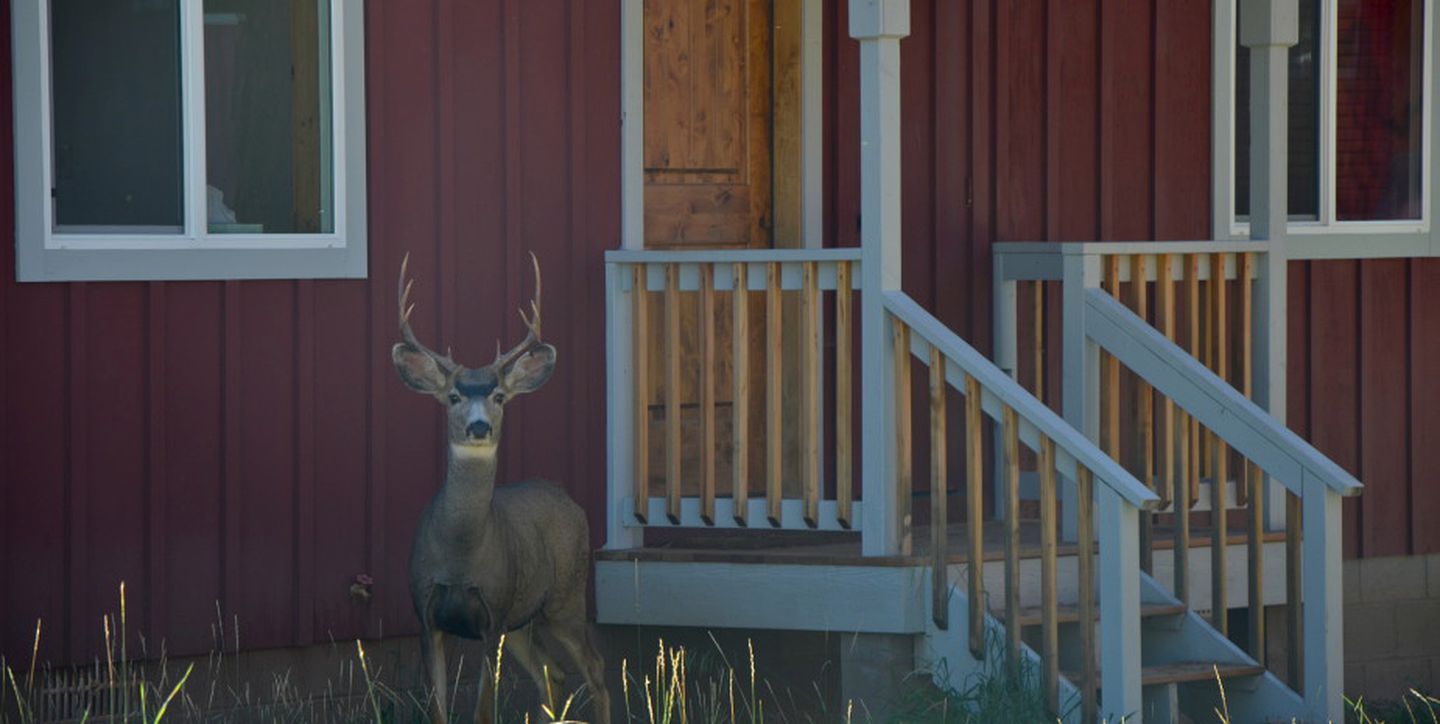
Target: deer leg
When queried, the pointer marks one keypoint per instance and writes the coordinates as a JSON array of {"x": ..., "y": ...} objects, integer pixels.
[
  {"x": 432, "y": 654},
  {"x": 544, "y": 670},
  {"x": 574, "y": 637},
  {"x": 485, "y": 695}
]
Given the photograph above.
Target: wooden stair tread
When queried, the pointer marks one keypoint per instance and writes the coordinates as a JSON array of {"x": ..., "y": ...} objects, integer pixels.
[
  {"x": 1070, "y": 613},
  {"x": 1184, "y": 672}
]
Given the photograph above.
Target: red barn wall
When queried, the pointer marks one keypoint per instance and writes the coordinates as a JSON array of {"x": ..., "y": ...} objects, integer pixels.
[{"x": 247, "y": 443}]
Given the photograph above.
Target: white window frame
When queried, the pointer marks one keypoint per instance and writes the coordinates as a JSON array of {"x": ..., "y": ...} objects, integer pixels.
[
  {"x": 1325, "y": 238},
  {"x": 193, "y": 253}
]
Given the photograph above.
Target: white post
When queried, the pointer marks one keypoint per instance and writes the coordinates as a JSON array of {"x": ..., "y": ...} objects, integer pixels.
[
  {"x": 1323, "y": 674},
  {"x": 619, "y": 411},
  {"x": 1080, "y": 374},
  {"x": 1119, "y": 585},
  {"x": 632, "y": 125},
  {"x": 879, "y": 25},
  {"x": 1269, "y": 28},
  {"x": 1007, "y": 357}
]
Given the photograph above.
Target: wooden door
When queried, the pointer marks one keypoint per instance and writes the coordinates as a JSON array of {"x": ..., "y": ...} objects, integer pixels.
[
  {"x": 708, "y": 170},
  {"x": 707, "y": 123}
]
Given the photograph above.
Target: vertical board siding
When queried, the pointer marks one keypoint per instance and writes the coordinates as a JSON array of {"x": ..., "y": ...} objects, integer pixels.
[{"x": 244, "y": 451}]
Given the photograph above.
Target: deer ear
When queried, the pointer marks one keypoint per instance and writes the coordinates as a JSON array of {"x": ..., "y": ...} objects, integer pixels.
[
  {"x": 418, "y": 370},
  {"x": 531, "y": 371}
]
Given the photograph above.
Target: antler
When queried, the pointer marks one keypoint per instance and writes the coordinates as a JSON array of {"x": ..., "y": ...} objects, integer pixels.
[
  {"x": 532, "y": 322},
  {"x": 407, "y": 334}
]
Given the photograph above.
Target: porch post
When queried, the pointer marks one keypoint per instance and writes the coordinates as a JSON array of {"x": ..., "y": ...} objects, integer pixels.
[
  {"x": 632, "y": 125},
  {"x": 879, "y": 25},
  {"x": 1268, "y": 28}
]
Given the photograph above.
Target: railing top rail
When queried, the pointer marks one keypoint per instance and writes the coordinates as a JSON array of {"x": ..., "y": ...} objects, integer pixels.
[
  {"x": 1252, "y": 431},
  {"x": 1007, "y": 391},
  {"x": 1071, "y": 248},
  {"x": 730, "y": 256}
]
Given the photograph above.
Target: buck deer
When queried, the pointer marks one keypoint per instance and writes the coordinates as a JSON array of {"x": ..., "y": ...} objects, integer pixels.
[{"x": 488, "y": 561}]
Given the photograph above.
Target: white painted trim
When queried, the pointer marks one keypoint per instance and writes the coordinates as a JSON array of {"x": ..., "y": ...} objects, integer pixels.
[
  {"x": 619, "y": 412},
  {"x": 792, "y": 515},
  {"x": 871, "y": 599},
  {"x": 1325, "y": 237},
  {"x": 43, "y": 254},
  {"x": 1245, "y": 426},
  {"x": 1324, "y": 623},
  {"x": 1119, "y": 526}
]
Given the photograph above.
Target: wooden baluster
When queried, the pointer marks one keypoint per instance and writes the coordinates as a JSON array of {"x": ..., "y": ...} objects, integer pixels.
[
  {"x": 1049, "y": 609},
  {"x": 1085, "y": 532},
  {"x": 810, "y": 392},
  {"x": 1253, "y": 479},
  {"x": 844, "y": 440},
  {"x": 1294, "y": 520},
  {"x": 707, "y": 394},
  {"x": 640, "y": 360},
  {"x": 904, "y": 470},
  {"x": 1144, "y": 464},
  {"x": 774, "y": 370},
  {"x": 974, "y": 509},
  {"x": 1220, "y": 465},
  {"x": 1038, "y": 335},
  {"x": 939, "y": 506},
  {"x": 740, "y": 408},
  {"x": 1110, "y": 382},
  {"x": 1011, "y": 424},
  {"x": 1207, "y": 351},
  {"x": 1192, "y": 294},
  {"x": 1165, "y": 301},
  {"x": 672, "y": 392}
]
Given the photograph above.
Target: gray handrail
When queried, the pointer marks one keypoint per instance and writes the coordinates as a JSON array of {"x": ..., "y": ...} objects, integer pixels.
[
  {"x": 1243, "y": 425},
  {"x": 1000, "y": 389}
]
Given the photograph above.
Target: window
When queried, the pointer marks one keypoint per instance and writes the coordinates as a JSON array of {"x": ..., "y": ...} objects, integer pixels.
[
  {"x": 189, "y": 139},
  {"x": 1360, "y": 127}
]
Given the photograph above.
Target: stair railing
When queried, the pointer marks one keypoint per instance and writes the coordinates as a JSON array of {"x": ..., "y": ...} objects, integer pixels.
[
  {"x": 1063, "y": 452},
  {"x": 1189, "y": 420}
]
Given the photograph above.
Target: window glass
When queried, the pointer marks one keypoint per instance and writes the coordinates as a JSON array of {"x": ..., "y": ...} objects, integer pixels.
[
  {"x": 1378, "y": 109},
  {"x": 267, "y": 113},
  {"x": 1304, "y": 120},
  {"x": 115, "y": 96}
]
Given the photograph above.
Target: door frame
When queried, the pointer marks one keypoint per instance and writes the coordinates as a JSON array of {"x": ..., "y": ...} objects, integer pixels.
[{"x": 632, "y": 124}]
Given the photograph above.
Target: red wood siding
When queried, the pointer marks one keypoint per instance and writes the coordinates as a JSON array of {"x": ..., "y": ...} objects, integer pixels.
[{"x": 241, "y": 450}]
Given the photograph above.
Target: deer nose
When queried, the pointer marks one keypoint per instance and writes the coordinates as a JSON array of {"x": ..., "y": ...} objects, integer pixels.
[{"x": 478, "y": 429}]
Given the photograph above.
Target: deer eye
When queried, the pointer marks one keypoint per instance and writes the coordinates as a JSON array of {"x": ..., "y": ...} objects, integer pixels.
[
  {"x": 499, "y": 398},
  {"x": 454, "y": 398}
]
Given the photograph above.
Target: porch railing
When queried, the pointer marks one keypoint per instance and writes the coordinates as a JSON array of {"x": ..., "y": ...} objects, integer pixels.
[
  {"x": 1190, "y": 418},
  {"x": 688, "y": 330}
]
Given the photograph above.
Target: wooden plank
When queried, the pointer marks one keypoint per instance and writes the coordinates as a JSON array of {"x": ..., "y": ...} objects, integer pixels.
[
  {"x": 1165, "y": 300},
  {"x": 1424, "y": 401},
  {"x": 903, "y": 464},
  {"x": 1085, "y": 529},
  {"x": 844, "y": 380},
  {"x": 707, "y": 393},
  {"x": 1221, "y": 457},
  {"x": 640, "y": 357},
  {"x": 1050, "y": 628},
  {"x": 1011, "y": 432},
  {"x": 672, "y": 392},
  {"x": 740, "y": 362},
  {"x": 810, "y": 393},
  {"x": 939, "y": 505},
  {"x": 1384, "y": 397},
  {"x": 774, "y": 491},
  {"x": 974, "y": 509}
]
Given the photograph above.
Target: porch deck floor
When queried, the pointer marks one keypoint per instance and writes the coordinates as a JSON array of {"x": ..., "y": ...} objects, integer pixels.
[{"x": 770, "y": 546}]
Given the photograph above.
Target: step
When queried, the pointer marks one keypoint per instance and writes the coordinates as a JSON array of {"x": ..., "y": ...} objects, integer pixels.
[
  {"x": 1184, "y": 672},
  {"x": 1070, "y": 613}
]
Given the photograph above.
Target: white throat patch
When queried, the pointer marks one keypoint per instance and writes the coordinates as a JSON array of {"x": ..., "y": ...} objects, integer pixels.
[{"x": 471, "y": 452}]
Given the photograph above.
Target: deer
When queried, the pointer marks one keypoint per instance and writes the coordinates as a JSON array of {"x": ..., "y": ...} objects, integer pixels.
[{"x": 488, "y": 561}]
